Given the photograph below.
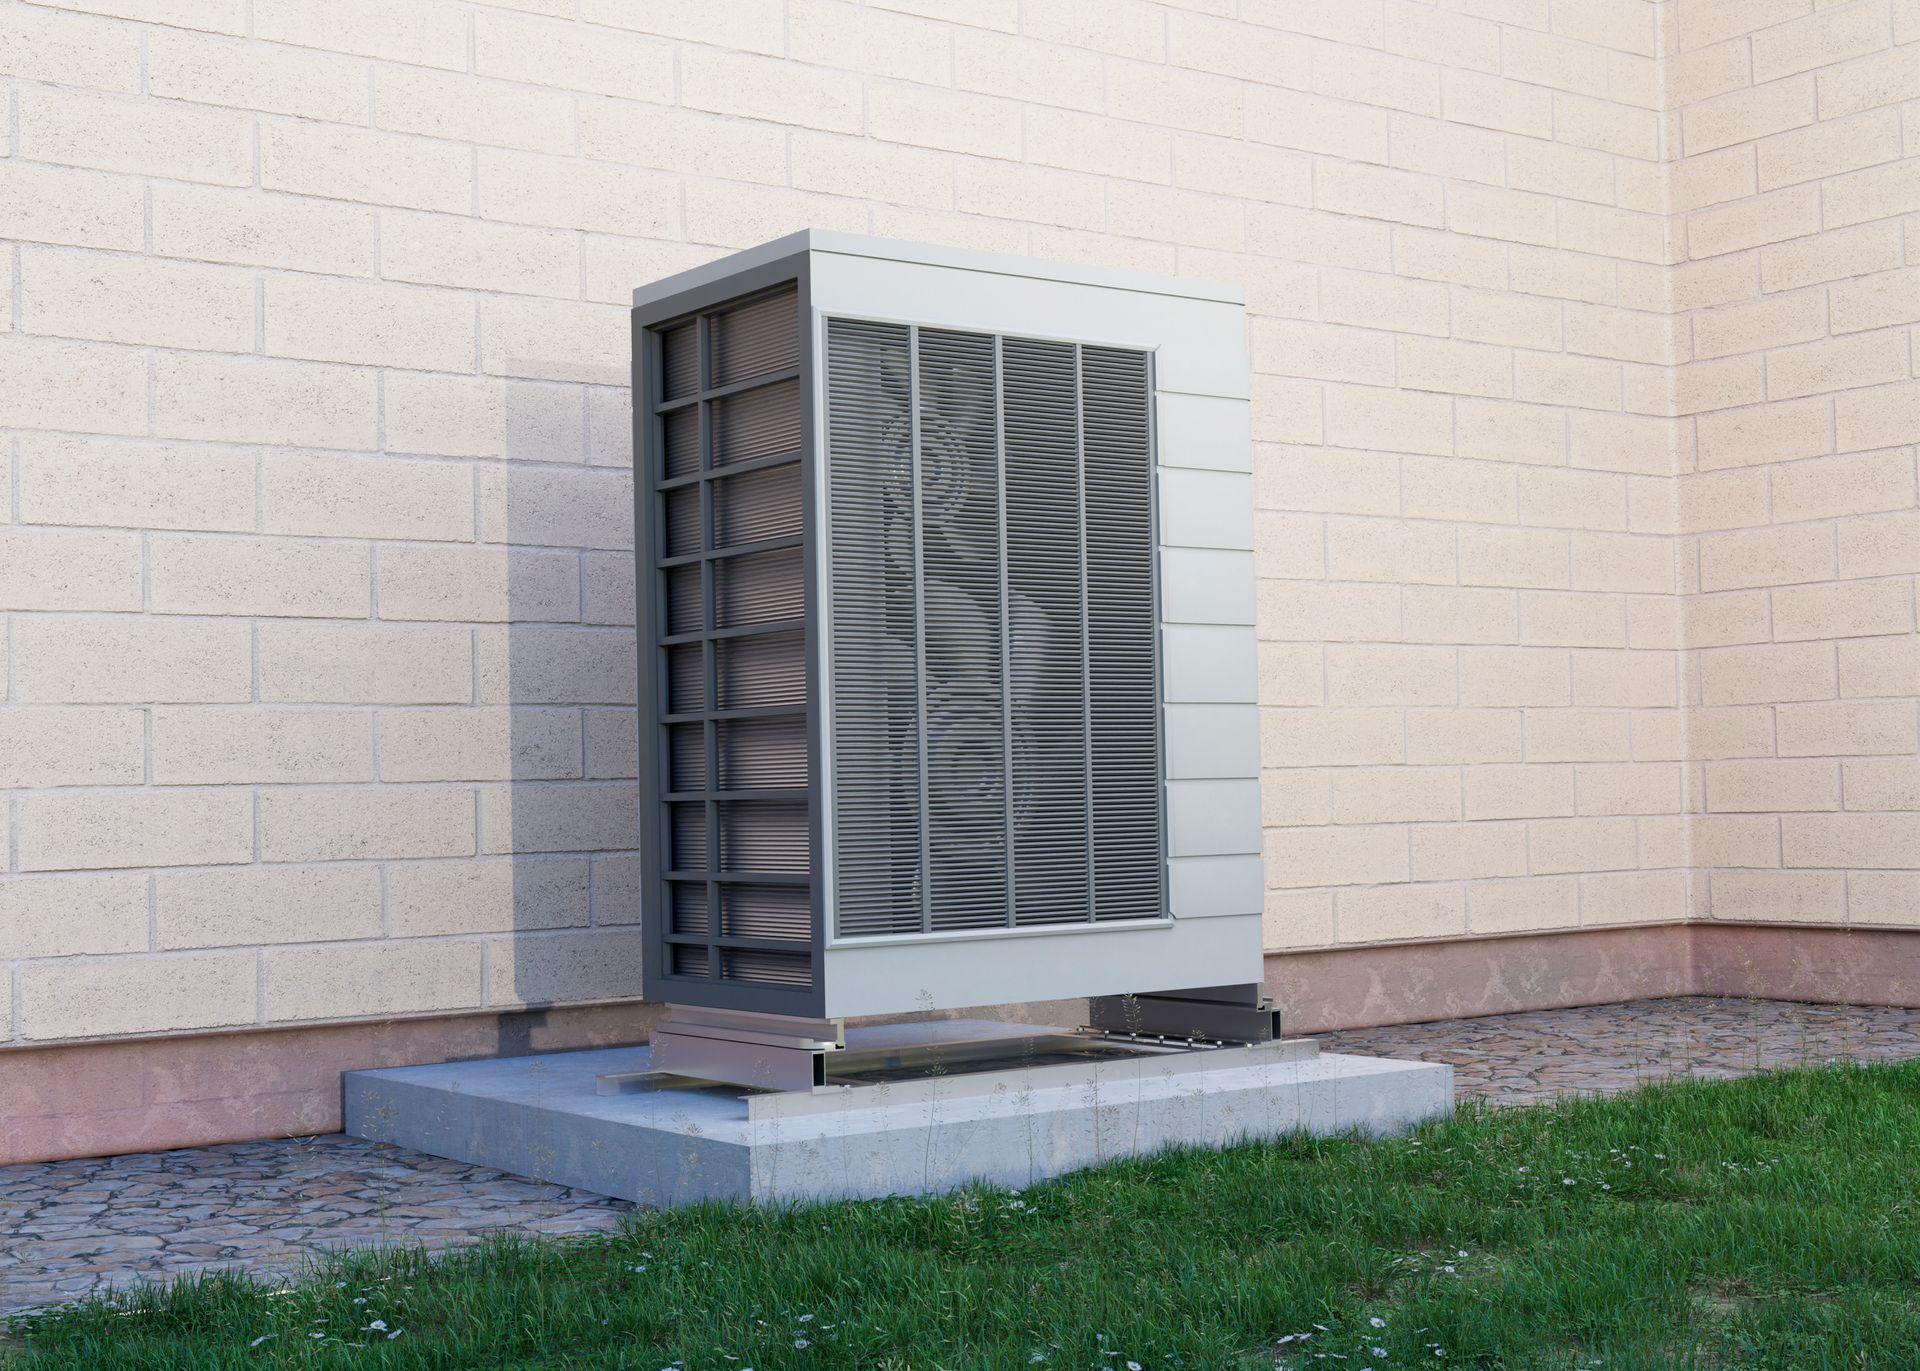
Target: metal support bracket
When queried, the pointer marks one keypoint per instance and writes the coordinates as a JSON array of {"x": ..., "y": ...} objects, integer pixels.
[
  {"x": 734, "y": 1047},
  {"x": 1218, "y": 1013}
]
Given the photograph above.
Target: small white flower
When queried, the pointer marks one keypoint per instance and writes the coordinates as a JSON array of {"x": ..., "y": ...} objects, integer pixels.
[
  {"x": 395, "y": 1333},
  {"x": 262, "y": 1338},
  {"x": 806, "y": 1318},
  {"x": 1566, "y": 1180},
  {"x": 1376, "y": 1321},
  {"x": 377, "y": 1326},
  {"x": 1378, "y": 1351},
  {"x": 801, "y": 1342},
  {"x": 1133, "y": 1366}
]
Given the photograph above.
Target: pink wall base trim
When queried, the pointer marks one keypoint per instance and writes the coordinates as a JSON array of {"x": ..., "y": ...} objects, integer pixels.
[
  {"x": 1362, "y": 987},
  {"x": 150, "y": 1094}
]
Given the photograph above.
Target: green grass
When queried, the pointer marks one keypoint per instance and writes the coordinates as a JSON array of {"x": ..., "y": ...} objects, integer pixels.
[{"x": 1771, "y": 1222}]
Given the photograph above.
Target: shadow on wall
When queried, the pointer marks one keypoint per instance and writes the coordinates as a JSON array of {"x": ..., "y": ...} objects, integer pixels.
[{"x": 559, "y": 820}]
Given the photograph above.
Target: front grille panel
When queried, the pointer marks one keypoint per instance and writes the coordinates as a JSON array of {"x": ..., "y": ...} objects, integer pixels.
[{"x": 995, "y": 697}]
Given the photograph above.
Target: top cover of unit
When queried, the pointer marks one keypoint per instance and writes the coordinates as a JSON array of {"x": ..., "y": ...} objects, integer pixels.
[{"x": 946, "y": 633}]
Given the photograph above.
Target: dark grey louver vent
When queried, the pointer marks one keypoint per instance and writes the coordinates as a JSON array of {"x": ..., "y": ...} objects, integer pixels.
[
  {"x": 995, "y": 726},
  {"x": 728, "y": 749}
]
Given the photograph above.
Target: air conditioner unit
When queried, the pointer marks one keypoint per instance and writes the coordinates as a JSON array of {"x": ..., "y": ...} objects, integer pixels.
[{"x": 947, "y": 655}]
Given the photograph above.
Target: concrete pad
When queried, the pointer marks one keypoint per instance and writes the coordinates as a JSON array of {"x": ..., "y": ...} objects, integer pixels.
[{"x": 545, "y": 1117}]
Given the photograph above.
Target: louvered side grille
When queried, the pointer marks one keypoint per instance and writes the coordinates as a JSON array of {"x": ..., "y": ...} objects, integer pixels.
[
  {"x": 1120, "y": 634},
  {"x": 876, "y": 689},
  {"x": 731, "y": 743},
  {"x": 995, "y": 720}
]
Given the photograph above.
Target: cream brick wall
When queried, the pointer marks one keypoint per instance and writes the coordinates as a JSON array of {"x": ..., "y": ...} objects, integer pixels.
[{"x": 1584, "y": 414}]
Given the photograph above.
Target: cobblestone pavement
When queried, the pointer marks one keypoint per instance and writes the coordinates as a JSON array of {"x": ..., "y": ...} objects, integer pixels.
[
  {"x": 67, "y": 1228},
  {"x": 1523, "y": 1058}
]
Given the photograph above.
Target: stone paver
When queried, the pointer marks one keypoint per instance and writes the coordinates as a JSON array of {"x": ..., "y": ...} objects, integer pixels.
[{"x": 67, "y": 1228}]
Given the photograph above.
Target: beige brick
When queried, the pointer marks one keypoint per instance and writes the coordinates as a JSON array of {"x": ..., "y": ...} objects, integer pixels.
[
  {"x": 97, "y": 999},
  {"x": 89, "y": 387},
  {"x": 1883, "y": 897},
  {"x": 69, "y": 50},
  {"x": 1291, "y": 674},
  {"x": 469, "y": 110},
  {"x": 1784, "y": 897},
  {"x": 1370, "y": 674},
  {"x": 1624, "y": 679},
  {"x": 1830, "y": 148},
  {"x": 558, "y": 54},
  {"x": 252, "y": 400},
  {"x": 1446, "y": 149},
  {"x": 216, "y": 224},
  {"x": 557, "y": 340},
  {"x": 1735, "y": 840},
  {"x": 350, "y": 822},
  {"x": 1743, "y": 115},
  {"x": 369, "y": 979},
  {"x": 149, "y": 138},
  {"x": 554, "y": 968},
  {"x": 1880, "y": 546},
  {"x": 1328, "y": 481},
  {"x": 1403, "y": 795},
  {"x": 224, "y": 71},
  {"x": 337, "y": 321},
  {"x": 250, "y": 905},
  {"x": 1561, "y": 619},
  {"x": 76, "y": 571},
  {"x": 1289, "y": 545},
  {"x": 350, "y": 497},
  {"x": 1767, "y": 673},
  {"x": 556, "y": 507},
  {"x": 75, "y": 832},
  {"x": 1572, "y": 499},
  {"x": 1850, "y": 840},
  {"x": 1628, "y": 788},
  {"x": 1729, "y": 732},
  {"x": 245, "y": 746},
  {"x": 1383, "y": 550},
  {"x": 1308, "y": 236},
  {"x": 1764, "y": 785},
  {"x": 1697, "y": 386},
  {"x": 430, "y": 33},
  {"x": 1881, "y": 783},
  {"x": 1292, "y": 119},
  {"x": 1879, "y": 666},
  {"x": 1473, "y": 851},
  {"x": 1876, "y": 193},
  {"x": 1440, "y": 614},
  {"x": 1022, "y": 69},
  {"x": 1330, "y": 737},
  {"x": 113, "y": 660},
  {"x": 571, "y": 666},
  {"x": 1507, "y": 320},
  {"x": 1623, "y": 562},
  {"x": 1297, "y": 918},
  {"x": 1291, "y": 799},
  {"x": 888, "y": 172},
  {"x": 1887, "y": 78},
  {"x": 1752, "y": 326},
  {"x": 365, "y": 664},
  {"x": 1837, "y": 364},
  {"x": 122, "y": 299},
  {"x": 55, "y": 205},
  {"x": 479, "y": 744},
  {"x": 1453, "y": 489},
  {"x": 1882, "y": 417},
  {"x": 1634, "y": 897},
  {"x": 1581, "y": 382},
  {"x": 680, "y": 140},
  {"x": 443, "y": 250},
  {"x": 1455, "y": 367},
  {"x": 346, "y": 163},
  {"x": 1322, "y": 611},
  {"x": 1691, "y": 183},
  {"x": 427, "y": 898},
  {"x": 1766, "y": 433},
  {"x": 1754, "y": 222},
  {"x": 1517, "y": 792},
  {"x": 1766, "y": 557},
  {"x": 480, "y": 585},
  {"x": 84, "y": 481},
  {"x": 569, "y": 193},
  {"x": 1846, "y": 728},
  {"x": 1832, "y": 255},
  {"x": 1577, "y": 735},
  {"x": 196, "y": 574},
  {"x": 1523, "y": 905},
  {"x": 70, "y": 916},
  {"x": 1723, "y": 620},
  {"x": 925, "y": 116},
  {"x": 1165, "y": 214},
  {"x": 1298, "y": 857},
  {"x": 1110, "y": 147},
  {"x": 590, "y": 816},
  {"x": 830, "y": 33},
  {"x": 1397, "y": 913},
  {"x": 1561, "y": 275},
  {"x": 613, "y": 744},
  {"x": 1716, "y": 500},
  {"x": 1819, "y": 40},
  {"x": 56, "y": 747},
  {"x": 1327, "y": 352},
  {"x": 1557, "y": 846},
  {"x": 1847, "y": 609},
  {"x": 1513, "y": 676},
  {"x": 1555, "y": 169},
  {"x": 1440, "y": 736},
  {"x": 1537, "y": 558}
]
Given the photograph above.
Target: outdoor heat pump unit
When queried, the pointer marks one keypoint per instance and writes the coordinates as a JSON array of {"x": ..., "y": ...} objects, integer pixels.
[{"x": 947, "y": 659}]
